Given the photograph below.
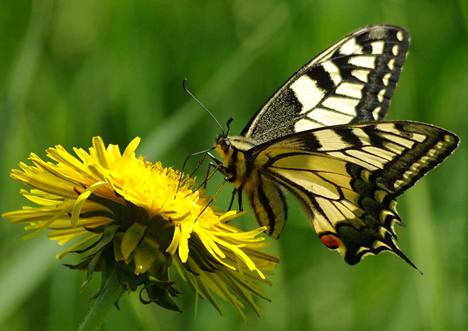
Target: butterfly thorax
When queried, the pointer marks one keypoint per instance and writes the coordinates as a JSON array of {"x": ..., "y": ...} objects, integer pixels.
[{"x": 236, "y": 167}]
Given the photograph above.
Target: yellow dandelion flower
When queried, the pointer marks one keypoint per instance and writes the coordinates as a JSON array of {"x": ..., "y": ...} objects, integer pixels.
[{"x": 118, "y": 210}]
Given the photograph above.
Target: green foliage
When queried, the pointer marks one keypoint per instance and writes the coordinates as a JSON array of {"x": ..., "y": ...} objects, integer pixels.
[{"x": 73, "y": 69}]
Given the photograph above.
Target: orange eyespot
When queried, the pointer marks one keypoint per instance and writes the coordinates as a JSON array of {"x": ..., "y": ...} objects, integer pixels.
[{"x": 331, "y": 241}]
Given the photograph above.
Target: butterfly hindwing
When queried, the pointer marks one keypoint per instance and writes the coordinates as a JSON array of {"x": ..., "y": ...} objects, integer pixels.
[
  {"x": 349, "y": 176},
  {"x": 269, "y": 205},
  {"x": 343, "y": 207},
  {"x": 351, "y": 81}
]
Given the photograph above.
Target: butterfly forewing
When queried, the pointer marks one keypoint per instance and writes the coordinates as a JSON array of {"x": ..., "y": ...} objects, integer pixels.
[
  {"x": 348, "y": 177},
  {"x": 351, "y": 81}
]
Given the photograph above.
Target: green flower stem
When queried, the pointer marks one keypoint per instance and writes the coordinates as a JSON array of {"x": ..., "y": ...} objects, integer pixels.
[{"x": 102, "y": 304}]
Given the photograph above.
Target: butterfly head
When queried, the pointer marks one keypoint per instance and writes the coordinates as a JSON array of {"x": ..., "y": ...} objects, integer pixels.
[
  {"x": 223, "y": 145},
  {"x": 233, "y": 151}
]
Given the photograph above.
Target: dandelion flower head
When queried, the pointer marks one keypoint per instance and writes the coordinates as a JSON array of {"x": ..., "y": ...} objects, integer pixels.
[{"x": 146, "y": 222}]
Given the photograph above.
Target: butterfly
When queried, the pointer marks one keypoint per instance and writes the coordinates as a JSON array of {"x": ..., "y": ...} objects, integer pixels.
[{"x": 322, "y": 137}]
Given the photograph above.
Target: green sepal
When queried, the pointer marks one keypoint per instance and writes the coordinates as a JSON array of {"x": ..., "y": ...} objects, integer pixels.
[{"x": 159, "y": 295}]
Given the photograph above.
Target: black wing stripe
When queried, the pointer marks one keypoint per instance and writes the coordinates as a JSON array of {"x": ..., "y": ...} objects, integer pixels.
[
  {"x": 269, "y": 206},
  {"x": 374, "y": 138},
  {"x": 350, "y": 137},
  {"x": 359, "y": 72},
  {"x": 233, "y": 166},
  {"x": 311, "y": 205},
  {"x": 266, "y": 205},
  {"x": 321, "y": 77}
]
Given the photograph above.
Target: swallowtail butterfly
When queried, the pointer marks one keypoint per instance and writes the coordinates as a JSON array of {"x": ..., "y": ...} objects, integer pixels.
[{"x": 322, "y": 138}]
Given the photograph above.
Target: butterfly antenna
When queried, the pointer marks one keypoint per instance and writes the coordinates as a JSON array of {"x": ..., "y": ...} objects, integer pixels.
[
  {"x": 228, "y": 125},
  {"x": 185, "y": 86}
]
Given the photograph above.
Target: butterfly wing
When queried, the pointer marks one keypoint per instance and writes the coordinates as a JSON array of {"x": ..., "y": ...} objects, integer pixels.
[
  {"x": 351, "y": 81},
  {"x": 269, "y": 205},
  {"x": 349, "y": 176}
]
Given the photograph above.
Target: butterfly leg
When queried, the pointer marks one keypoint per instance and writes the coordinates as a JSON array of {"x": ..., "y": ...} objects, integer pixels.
[
  {"x": 208, "y": 175},
  {"x": 233, "y": 196},
  {"x": 211, "y": 200},
  {"x": 239, "y": 198},
  {"x": 238, "y": 193},
  {"x": 210, "y": 171},
  {"x": 204, "y": 154}
]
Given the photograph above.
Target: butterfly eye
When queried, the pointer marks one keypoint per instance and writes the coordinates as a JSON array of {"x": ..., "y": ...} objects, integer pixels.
[{"x": 225, "y": 144}]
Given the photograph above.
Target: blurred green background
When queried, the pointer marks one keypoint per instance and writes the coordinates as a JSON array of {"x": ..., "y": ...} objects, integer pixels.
[{"x": 73, "y": 69}]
